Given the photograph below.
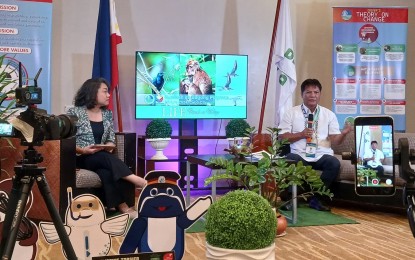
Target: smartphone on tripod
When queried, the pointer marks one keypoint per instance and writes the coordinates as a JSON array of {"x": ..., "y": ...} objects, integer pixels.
[{"x": 374, "y": 146}]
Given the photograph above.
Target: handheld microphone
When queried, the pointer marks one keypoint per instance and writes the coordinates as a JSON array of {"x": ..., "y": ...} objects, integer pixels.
[
  {"x": 310, "y": 121},
  {"x": 310, "y": 125}
]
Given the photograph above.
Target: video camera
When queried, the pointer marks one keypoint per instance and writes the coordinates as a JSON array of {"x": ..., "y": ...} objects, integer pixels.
[
  {"x": 33, "y": 126},
  {"x": 45, "y": 127}
]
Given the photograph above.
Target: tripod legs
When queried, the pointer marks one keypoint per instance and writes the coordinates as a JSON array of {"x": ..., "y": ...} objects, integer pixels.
[
  {"x": 19, "y": 195},
  {"x": 47, "y": 197},
  {"x": 15, "y": 210}
]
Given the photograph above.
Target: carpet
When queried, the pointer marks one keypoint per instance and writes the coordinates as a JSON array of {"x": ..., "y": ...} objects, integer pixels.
[
  {"x": 311, "y": 217},
  {"x": 198, "y": 226},
  {"x": 305, "y": 217}
]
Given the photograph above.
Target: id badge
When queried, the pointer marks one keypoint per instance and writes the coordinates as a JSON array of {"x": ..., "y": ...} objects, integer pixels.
[{"x": 310, "y": 150}]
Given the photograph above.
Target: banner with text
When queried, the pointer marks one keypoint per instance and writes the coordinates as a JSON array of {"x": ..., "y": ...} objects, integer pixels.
[
  {"x": 369, "y": 62},
  {"x": 25, "y": 37}
]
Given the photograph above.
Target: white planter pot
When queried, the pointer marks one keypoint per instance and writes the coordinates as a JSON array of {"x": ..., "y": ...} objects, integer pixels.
[
  {"x": 217, "y": 253},
  {"x": 159, "y": 144}
]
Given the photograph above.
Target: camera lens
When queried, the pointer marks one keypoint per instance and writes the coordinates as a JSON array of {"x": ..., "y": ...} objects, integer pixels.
[
  {"x": 67, "y": 125},
  {"x": 62, "y": 126}
]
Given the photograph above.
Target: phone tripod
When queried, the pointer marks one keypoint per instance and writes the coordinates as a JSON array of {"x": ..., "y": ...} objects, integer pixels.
[{"x": 23, "y": 181}]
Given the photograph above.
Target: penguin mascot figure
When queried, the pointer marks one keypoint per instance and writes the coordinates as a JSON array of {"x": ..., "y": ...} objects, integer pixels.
[{"x": 162, "y": 216}]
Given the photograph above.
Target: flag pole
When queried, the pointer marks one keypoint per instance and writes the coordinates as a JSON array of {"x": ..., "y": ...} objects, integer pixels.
[
  {"x": 119, "y": 114},
  {"x": 271, "y": 52},
  {"x": 262, "y": 141}
]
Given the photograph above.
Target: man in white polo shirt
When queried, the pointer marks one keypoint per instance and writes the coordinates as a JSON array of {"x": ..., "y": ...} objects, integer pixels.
[
  {"x": 310, "y": 129},
  {"x": 373, "y": 158}
]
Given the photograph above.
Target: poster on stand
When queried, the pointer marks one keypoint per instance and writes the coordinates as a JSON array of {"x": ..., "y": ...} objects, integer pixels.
[
  {"x": 25, "y": 38},
  {"x": 369, "y": 63}
]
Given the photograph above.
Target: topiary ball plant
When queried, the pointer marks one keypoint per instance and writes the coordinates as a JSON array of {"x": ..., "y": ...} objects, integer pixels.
[
  {"x": 241, "y": 220},
  {"x": 158, "y": 128},
  {"x": 236, "y": 128}
]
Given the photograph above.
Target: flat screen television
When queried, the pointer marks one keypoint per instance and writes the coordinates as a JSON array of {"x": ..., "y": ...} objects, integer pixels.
[{"x": 190, "y": 85}]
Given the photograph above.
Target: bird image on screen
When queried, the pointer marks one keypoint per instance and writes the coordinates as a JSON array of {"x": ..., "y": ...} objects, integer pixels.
[{"x": 173, "y": 85}]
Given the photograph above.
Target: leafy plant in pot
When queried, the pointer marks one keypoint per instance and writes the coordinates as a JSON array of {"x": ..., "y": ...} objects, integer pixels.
[
  {"x": 240, "y": 225},
  {"x": 236, "y": 132},
  {"x": 365, "y": 175},
  {"x": 158, "y": 133},
  {"x": 270, "y": 174},
  {"x": 6, "y": 111}
]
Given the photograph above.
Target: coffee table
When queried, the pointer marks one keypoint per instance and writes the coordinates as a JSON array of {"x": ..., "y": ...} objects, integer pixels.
[{"x": 203, "y": 159}]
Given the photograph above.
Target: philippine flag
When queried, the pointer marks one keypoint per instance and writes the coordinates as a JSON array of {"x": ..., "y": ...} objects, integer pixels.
[{"x": 105, "y": 53}]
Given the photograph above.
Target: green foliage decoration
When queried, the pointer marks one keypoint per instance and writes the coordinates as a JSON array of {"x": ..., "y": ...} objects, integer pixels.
[
  {"x": 269, "y": 171},
  {"x": 6, "y": 111},
  {"x": 5, "y": 80},
  {"x": 240, "y": 220},
  {"x": 237, "y": 128},
  {"x": 158, "y": 128},
  {"x": 365, "y": 175}
]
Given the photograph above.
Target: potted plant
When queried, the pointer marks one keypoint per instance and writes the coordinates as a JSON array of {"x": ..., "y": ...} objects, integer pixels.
[
  {"x": 269, "y": 174},
  {"x": 158, "y": 133},
  {"x": 366, "y": 175},
  {"x": 5, "y": 80},
  {"x": 6, "y": 111},
  {"x": 240, "y": 225},
  {"x": 236, "y": 132}
]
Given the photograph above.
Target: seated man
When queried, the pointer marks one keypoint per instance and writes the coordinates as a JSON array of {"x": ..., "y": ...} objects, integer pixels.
[
  {"x": 373, "y": 158},
  {"x": 310, "y": 141}
]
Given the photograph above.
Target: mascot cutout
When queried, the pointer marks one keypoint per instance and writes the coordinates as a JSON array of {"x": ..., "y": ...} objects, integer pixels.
[
  {"x": 88, "y": 228},
  {"x": 162, "y": 216},
  {"x": 27, "y": 236}
]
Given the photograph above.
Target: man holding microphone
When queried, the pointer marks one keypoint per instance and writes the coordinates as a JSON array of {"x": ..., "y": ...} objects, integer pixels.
[{"x": 310, "y": 129}]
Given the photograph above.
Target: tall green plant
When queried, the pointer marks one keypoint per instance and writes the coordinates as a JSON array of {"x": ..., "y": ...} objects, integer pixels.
[
  {"x": 271, "y": 170},
  {"x": 5, "y": 80},
  {"x": 6, "y": 111}
]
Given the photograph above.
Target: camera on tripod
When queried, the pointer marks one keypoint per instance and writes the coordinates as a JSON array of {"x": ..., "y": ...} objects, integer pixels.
[
  {"x": 33, "y": 127},
  {"x": 45, "y": 126}
]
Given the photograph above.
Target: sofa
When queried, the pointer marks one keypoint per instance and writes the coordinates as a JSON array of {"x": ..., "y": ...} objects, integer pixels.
[{"x": 343, "y": 188}]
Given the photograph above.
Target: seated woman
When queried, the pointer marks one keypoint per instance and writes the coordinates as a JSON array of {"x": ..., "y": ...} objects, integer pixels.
[{"x": 95, "y": 140}]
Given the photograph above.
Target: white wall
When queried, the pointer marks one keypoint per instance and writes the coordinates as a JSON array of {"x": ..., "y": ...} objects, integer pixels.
[
  {"x": 234, "y": 26},
  {"x": 212, "y": 26}
]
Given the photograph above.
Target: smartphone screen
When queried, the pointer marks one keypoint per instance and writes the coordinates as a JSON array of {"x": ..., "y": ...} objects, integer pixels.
[
  {"x": 6, "y": 129},
  {"x": 375, "y": 172}
]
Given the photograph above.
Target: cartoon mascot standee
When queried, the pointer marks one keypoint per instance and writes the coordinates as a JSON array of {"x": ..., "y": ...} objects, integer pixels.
[
  {"x": 162, "y": 216},
  {"x": 88, "y": 228}
]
